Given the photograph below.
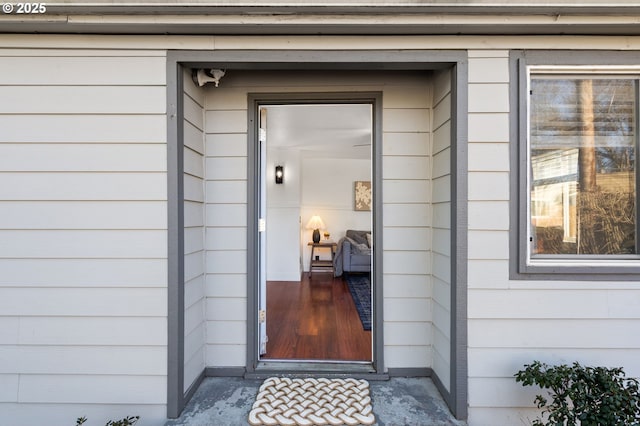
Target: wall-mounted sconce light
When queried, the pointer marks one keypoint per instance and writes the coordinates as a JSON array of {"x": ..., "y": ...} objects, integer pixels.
[{"x": 279, "y": 174}]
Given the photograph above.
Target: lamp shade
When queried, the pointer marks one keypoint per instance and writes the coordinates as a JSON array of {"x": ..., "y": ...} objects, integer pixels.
[{"x": 315, "y": 223}]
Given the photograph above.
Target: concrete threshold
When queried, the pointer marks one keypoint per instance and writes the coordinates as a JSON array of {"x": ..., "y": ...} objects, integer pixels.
[{"x": 226, "y": 401}]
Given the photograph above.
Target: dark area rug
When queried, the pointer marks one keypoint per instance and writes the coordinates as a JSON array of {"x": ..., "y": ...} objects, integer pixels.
[{"x": 360, "y": 289}]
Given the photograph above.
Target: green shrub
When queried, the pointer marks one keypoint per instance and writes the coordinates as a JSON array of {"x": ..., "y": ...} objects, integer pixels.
[
  {"x": 127, "y": 421},
  {"x": 587, "y": 396}
]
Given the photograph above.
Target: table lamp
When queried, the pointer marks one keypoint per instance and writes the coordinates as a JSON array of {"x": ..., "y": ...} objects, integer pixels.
[{"x": 316, "y": 224}]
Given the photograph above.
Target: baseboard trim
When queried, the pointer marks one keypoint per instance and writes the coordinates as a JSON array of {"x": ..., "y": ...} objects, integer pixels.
[
  {"x": 446, "y": 395},
  {"x": 194, "y": 386},
  {"x": 225, "y": 371},
  {"x": 410, "y": 372}
]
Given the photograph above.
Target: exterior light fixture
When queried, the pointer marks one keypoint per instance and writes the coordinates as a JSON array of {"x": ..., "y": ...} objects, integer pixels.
[{"x": 279, "y": 174}]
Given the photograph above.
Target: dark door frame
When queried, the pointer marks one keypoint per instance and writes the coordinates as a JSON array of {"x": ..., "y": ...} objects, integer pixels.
[
  {"x": 256, "y": 367},
  {"x": 355, "y": 60}
]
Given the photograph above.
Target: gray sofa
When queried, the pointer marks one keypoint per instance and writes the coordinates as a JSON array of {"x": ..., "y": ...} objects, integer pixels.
[{"x": 356, "y": 253}]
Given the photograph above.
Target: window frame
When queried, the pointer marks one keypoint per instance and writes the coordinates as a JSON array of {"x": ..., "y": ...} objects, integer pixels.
[{"x": 559, "y": 267}]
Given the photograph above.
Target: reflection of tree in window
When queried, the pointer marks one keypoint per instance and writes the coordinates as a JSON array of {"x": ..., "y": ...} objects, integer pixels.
[{"x": 582, "y": 141}]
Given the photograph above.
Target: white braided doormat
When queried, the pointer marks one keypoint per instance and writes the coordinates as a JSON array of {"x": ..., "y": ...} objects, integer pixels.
[{"x": 306, "y": 402}]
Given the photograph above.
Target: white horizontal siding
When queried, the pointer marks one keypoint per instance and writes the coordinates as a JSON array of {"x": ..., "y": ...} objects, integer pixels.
[
  {"x": 95, "y": 158},
  {"x": 226, "y": 309},
  {"x": 226, "y": 221},
  {"x": 83, "y": 236},
  {"x": 407, "y": 309},
  {"x": 226, "y": 285},
  {"x": 500, "y": 416},
  {"x": 83, "y": 244},
  {"x": 406, "y": 191},
  {"x": 401, "y": 356},
  {"x": 488, "y": 241},
  {"x": 82, "y": 99},
  {"x": 487, "y": 273},
  {"x": 193, "y": 240},
  {"x": 505, "y": 362},
  {"x": 411, "y": 239},
  {"x": 95, "y": 128},
  {"x": 487, "y": 157},
  {"x": 441, "y": 234},
  {"x": 488, "y": 127},
  {"x": 407, "y": 286},
  {"x": 226, "y": 145},
  {"x": 554, "y": 333},
  {"x": 54, "y": 215},
  {"x": 410, "y": 143},
  {"x": 86, "y": 273},
  {"x": 226, "y": 239},
  {"x": 406, "y": 173},
  {"x": 91, "y": 389},
  {"x": 227, "y": 333},
  {"x": 488, "y": 215},
  {"x": 93, "y": 330},
  {"x": 9, "y": 387},
  {"x": 83, "y": 186},
  {"x": 145, "y": 360},
  {"x": 411, "y": 215},
  {"x": 535, "y": 304},
  {"x": 91, "y": 70},
  {"x": 406, "y": 167},
  {"x": 512, "y": 323},
  {"x": 131, "y": 302},
  {"x": 25, "y": 414},
  {"x": 194, "y": 232},
  {"x": 226, "y": 355},
  {"x": 407, "y": 262}
]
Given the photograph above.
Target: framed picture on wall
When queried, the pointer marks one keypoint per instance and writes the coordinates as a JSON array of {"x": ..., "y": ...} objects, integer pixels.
[{"x": 362, "y": 196}]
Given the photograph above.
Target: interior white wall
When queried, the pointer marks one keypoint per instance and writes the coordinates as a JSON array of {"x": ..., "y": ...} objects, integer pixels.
[
  {"x": 283, "y": 215},
  {"x": 328, "y": 191}
]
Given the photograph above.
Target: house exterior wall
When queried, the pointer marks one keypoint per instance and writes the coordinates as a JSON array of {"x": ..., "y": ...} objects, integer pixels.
[
  {"x": 83, "y": 237},
  {"x": 407, "y": 221},
  {"x": 194, "y": 232},
  {"x": 83, "y": 225},
  {"x": 513, "y": 322},
  {"x": 441, "y": 212},
  {"x": 406, "y": 135}
]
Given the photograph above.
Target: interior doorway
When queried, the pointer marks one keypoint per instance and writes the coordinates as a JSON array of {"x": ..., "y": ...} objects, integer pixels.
[{"x": 315, "y": 231}]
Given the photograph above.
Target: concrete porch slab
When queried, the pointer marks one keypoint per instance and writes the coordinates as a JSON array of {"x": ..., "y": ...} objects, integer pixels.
[{"x": 226, "y": 401}]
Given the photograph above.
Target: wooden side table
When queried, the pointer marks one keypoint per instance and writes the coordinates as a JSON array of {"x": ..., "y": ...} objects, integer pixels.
[{"x": 324, "y": 264}]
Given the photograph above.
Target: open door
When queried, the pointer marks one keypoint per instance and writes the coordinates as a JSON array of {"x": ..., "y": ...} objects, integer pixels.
[
  {"x": 262, "y": 233},
  {"x": 323, "y": 151}
]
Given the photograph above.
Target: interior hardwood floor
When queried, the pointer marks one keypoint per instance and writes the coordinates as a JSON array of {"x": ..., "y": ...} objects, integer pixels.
[{"x": 314, "y": 319}]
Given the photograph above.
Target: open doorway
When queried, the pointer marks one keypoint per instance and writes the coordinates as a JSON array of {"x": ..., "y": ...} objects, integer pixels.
[{"x": 315, "y": 238}]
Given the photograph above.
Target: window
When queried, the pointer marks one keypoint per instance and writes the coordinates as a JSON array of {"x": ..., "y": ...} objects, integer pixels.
[{"x": 578, "y": 197}]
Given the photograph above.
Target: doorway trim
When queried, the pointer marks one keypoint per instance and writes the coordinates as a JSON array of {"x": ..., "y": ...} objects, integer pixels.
[
  {"x": 355, "y": 60},
  {"x": 262, "y": 368}
]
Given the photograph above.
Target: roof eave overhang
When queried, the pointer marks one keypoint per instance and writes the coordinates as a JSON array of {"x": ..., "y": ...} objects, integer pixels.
[{"x": 435, "y": 19}]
